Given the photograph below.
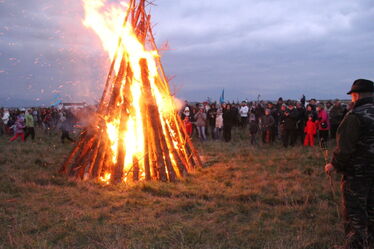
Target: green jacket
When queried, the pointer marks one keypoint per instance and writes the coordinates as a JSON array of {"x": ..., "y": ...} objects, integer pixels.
[{"x": 29, "y": 120}]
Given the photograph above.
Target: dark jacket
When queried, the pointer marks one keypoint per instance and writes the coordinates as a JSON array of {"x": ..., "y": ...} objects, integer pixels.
[
  {"x": 212, "y": 114},
  {"x": 354, "y": 154},
  {"x": 253, "y": 127},
  {"x": 301, "y": 119},
  {"x": 312, "y": 113},
  {"x": 275, "y": 114},
  {"x": 290, "y": 120},
  {"x": 267, "y": 122},
  {"x": 336, "y": 114},
  {"x": 229, "y": 117}
]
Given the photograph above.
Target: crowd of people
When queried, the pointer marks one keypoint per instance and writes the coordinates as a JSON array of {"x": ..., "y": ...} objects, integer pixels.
[
  {"x": 290, "y": 122},
  {"x": 20, "y": 124}
]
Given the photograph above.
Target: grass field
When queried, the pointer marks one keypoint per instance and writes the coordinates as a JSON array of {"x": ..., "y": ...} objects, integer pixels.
[{"x": 243, "y": 197}]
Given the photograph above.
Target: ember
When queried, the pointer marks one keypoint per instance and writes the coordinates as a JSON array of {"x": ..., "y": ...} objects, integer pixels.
[{"x": 137, "y": 133}]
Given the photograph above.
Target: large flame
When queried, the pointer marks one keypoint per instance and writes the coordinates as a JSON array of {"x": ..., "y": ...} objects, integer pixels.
[{"x": 107, "y": 21}]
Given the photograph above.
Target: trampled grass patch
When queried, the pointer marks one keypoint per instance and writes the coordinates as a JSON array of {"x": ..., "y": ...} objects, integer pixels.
[{"x": 243, "y": 197}]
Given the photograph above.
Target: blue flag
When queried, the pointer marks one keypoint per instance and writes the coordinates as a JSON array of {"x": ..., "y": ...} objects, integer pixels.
[
  {"x": 56, "y": 100},
  {"x": 222, "y": 98}
]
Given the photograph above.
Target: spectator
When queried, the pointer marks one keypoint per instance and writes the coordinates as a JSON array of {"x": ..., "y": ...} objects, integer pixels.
[
  {"x": 354, "y": 159},
  {"x": 310, "y": 131},
  {"x": 302, "y": 100},
  {"x": 193, "y": 120},
  {"x": 29, "y": 125},
  {"x": 313, "y": 104},
  {"x": 323, "y": 123},
  {"x": 5, "y": 116},
  {"x": 18, "y": 129},
  {"x": 186, "y": 112},
  {"x": 229, "y": 118},
  {"x": 11, "y": 121},
  {"x": 329, "y": 106},
  {"x": 243, "y": 111},
  {"x": 309, "y": 111},
  {"x": 300, "y": 124},
  {"x": 67, "y": 127},
  {"x": 235, "y": 110},
  {"x": 282, "y": 120},
  {"x": 218, "y": 124},
  {"x": 274, "y": 112},
  {"x": 290, "y": 128},
  {"x": 2, "y": 126},
  {"x": 188, "y": 125},
  {"x": 212, "y": 114},
  {"x": 55, "y": 118},
  {"x": 47, "y": 122},
  {"x": 260, "y": 111},
  {"x": 267, "y": 123},
  {"x": 22, "y": 114},
  {"x": 336, "y": 116},
  {"x": 279, "y": 104},
  {"x": 35, "y": 117},
  {"x": 201, "y": 123},
  {"x": 253, "y": 127}
]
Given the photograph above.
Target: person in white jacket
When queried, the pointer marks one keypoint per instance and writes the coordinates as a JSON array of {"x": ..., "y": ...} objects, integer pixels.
[
  {"x": 218, "y": 125},
  {"x": 243, "y": 111},
  {"x": 6, "y": 116},
  {"x": 5, "y": 120}
]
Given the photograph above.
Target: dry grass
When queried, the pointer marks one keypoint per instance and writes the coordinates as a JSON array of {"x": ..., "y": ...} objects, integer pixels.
[{"x": 244, "y": 197}]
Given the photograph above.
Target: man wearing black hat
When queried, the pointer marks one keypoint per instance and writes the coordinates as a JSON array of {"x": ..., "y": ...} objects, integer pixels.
[{"x": 354, "y": 158}]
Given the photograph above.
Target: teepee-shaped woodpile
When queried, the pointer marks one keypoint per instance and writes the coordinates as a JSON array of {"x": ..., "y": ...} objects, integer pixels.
[{"x": 137, "y": 133}]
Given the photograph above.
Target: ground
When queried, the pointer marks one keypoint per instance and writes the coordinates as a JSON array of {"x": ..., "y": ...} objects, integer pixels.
[{"x": 243, "y": 197}]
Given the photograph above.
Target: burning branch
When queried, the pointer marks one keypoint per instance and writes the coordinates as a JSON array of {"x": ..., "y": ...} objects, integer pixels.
[{"x": 138, "y": 134}]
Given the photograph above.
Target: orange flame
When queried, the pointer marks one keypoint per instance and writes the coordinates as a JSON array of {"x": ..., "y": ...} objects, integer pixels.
[{"x": 107, "y": 21}]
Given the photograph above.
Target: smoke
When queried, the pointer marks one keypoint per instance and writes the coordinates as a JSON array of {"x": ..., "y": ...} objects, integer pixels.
[{"x": 178, "y": 103}]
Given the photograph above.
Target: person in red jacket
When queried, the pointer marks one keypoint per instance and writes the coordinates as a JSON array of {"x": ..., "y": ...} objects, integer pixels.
[
  {"x": 310, "y": 131},
  {"x": 188, "y": 125}
]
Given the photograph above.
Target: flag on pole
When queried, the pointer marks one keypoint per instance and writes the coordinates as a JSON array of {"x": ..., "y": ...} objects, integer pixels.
[
  {"x": 222, "y": 98},
  {"x": 56, "y": 100}
]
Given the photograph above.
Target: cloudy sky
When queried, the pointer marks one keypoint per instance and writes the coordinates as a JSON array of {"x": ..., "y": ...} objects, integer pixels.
[{"x": 247, "y": 47}]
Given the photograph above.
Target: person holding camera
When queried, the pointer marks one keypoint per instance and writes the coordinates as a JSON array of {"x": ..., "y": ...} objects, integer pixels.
[{"x": 323, "y": 123}]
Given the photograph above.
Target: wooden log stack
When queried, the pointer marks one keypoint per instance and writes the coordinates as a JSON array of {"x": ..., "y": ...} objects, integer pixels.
[{"x": 168, "y": 152}]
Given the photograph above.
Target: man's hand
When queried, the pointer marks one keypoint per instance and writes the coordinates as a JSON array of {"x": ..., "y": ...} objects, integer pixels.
[{"x": 329, "y": 168}]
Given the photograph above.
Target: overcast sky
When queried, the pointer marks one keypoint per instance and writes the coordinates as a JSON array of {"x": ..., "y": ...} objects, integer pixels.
[{"x": 247, "y": 47}]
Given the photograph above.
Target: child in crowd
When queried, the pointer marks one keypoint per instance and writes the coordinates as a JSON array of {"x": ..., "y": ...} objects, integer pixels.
[
  {"x": 253, "y": 127},
  {"x": 18, "y": 129},
  {"x": 310, "y": 131},
  {"x": 219, "y": 124},
  {"x": 188, "y": 125}
]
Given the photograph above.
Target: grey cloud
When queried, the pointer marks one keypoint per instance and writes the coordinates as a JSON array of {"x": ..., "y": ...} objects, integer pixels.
[
  {"x": 273, "y": 48},
  {"x": 318, "y": 51},
  {"x": 46, "y": 56}
]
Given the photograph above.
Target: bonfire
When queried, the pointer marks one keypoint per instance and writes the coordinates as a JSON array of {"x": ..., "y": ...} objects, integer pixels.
[{"x": 137, "y": 133}]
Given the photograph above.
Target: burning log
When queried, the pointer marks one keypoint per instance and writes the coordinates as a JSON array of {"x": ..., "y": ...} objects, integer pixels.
[{"x": 137, "y": 134}]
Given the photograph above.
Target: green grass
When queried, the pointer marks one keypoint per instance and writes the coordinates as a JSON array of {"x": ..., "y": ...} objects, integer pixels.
[{"x": 244, "y": 197}]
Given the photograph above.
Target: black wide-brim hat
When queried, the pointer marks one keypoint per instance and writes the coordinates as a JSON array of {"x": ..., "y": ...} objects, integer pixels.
[{"x": 362, "y": 85}]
